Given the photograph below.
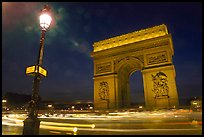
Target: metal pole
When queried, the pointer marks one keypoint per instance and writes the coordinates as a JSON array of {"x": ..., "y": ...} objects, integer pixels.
[
  {"x": 40, "y": 54},
  {"x": 36, "y": 82},
  {"x": 32, "y": 123}
]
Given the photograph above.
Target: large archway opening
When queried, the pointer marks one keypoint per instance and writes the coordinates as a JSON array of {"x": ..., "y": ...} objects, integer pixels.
[
  {"x": 125, "y": 69},
  {"x": 136, "y": 89}
]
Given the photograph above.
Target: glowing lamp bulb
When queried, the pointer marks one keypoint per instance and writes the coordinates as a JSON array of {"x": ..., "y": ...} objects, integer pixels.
[
  {"x": 45, "y": 21},
  {"x": 45, "y": 18}
]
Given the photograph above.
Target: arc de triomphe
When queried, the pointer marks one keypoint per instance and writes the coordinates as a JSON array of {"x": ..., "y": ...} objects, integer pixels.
[{"x": 115, "y": 59}]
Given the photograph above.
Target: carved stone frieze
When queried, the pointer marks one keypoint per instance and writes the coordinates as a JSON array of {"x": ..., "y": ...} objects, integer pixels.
[
  {"x": 140, "y": 58},
  {"x": 103, "y": 90},
  {"x": 131, "y": 48},
  {"x": 103, "y": 68},
  {"x": 160, "y": 85},
  {"x": 156, "y": 58}
]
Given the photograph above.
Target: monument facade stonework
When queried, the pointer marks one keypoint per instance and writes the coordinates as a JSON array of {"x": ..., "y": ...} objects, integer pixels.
[{"x": 115, "y": 59}]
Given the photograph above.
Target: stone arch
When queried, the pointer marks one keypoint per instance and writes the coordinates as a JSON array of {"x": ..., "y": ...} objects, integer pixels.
[
  {"x": 115, "y": 59},
  {"x": 124, "y": 69},
  {"x": 133, "y": 61}
]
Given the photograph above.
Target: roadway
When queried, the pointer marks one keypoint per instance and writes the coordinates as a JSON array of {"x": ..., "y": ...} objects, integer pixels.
[{"x": 119, "y": 123}]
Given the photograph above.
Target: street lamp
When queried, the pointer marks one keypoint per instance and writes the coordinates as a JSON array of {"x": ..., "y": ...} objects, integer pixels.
[{"x": 32, "y": 123}]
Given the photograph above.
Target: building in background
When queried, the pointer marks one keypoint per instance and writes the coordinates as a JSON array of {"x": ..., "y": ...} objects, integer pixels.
[{"x": 196, "y": 104}]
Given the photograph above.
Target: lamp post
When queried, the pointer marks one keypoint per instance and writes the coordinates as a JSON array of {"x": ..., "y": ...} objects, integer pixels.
[{"x": 32, "y": 123}]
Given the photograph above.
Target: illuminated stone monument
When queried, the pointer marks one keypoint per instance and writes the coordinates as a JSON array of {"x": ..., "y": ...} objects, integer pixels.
[{"x": 115, "y": 59}]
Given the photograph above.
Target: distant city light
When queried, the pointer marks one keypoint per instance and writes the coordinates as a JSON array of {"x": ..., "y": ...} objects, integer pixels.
[
  {"x": 93, "y": 126},
  {"x": 75, "y": 129},
  {"x": 140, "y": 107},
  {"x": 195, "y": 103},
  {"x": 49, "y": 106},
  {"x": 4, "y": 101}
]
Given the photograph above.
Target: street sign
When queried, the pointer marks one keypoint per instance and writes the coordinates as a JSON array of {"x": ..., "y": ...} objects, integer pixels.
[
  {"x": 42, "y": 71},
  {"x": 32, "y": 70}
]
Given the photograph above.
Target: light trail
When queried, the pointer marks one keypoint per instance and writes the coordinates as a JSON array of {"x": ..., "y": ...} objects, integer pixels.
[
  {"x": 18, "y": 121},
  {"x": 11, "y": 124},
  {"x": 68, "y": 124},
  {"x": 101, "y": 129},
  {"x": 55, "y": 132},
  {"x": 12, "y": 119},
  {"x": 48, "y": 125},
  {"x": 74, "y": 128},
  {"x": 59, "y": 128},
  {"x": 135, "y": 130}
]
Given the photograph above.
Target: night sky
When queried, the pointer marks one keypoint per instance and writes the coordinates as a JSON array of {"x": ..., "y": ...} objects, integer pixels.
[{"x": 75, "y": 27}]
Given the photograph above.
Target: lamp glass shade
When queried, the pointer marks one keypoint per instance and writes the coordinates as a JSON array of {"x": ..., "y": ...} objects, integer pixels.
[{"x": 45, "y": 21}]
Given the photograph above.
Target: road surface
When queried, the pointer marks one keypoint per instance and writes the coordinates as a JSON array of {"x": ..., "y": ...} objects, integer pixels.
[{"x": 125, "y": 123}]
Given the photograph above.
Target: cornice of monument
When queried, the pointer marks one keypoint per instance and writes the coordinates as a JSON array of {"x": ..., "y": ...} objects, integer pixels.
[
  {"x": 141, "y": 46},
  {"x": 132, "y": 37}
]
